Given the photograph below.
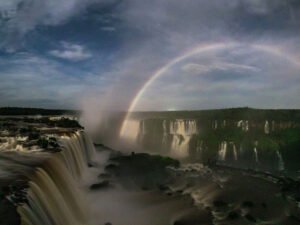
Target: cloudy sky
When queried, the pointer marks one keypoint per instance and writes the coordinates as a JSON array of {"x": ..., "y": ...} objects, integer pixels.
[{"x": 100, "y": 53}]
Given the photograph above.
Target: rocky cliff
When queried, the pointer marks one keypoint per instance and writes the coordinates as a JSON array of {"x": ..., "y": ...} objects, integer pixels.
[{"x": 266, "y": 139}]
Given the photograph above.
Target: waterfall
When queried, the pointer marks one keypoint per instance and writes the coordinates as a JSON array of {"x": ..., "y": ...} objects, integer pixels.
[
  {"x": 267, "y": 127},
  {"x": 182, "y": 131},
  {"x": 199, "y": 148},
  {"x": 183, "y": 127},
  {"x": 255, "y": 151},
  {"x": 180, "y": 145},
  {"x": 131, "y": 131},
  {"x": 53, "y": 195},
  {"x": 280, "y": 161},
  {"x": 235, "y": 154},
  {"x": 142, "y": 129},
  {"x": 165, "y": 133},
  {"x": 224, "y": 124},
  {"x": 222, "y": 151},
  {"x": 244, "y": 124},
  {"x": 215, "y": 125},
  {"x": 255, "y": 154}
]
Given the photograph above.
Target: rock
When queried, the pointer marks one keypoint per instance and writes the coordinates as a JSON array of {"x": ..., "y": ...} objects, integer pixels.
[
  {"x": 194, "y": 217},
  {"x": 250, "y": 218},
  {"x": 163, "y": 187},
  {"x": 144, "y": 188},
  {"x": 179, "y": 191},
  {"x": 111, "y": 166},
  {"x": 233, "y": 215},
  {"x": 8, "y": 213},
  {"x": 100, "y": 185},
  {"x": 107, "y": 224},
  {"x": 264, "y": 205},
  {"x": 219, "y": 203},
  {"x": 248, "y": 204},
  {"x": 104, "y": 175}
]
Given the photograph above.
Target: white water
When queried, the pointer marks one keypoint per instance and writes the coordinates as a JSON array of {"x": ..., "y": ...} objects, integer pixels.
[
  {"x": 222, "y": 151},
  {"x": 199, "y": 148},
  {"x": 267, "y": 127},
  {"x": 183, "y": 127},
  {"x": 243, "y": 124},
  {"x": 235, "y": 154},
  {"x": 215, "y": 125},
  {"x": 280, "y": 161},
  {"x": 182, "y": 131},
  {"x": 165, "y": 133},
  {"x": 14, "y": 144},
  {"x": 255, "y": 151},
  {"x": 53, "y": 196},
  {"x": 180, "y": 146},
  {"x": 255, "y": 154}
]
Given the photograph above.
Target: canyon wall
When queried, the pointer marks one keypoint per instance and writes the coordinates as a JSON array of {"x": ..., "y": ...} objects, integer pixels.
[{"x": 268, "y": 141}]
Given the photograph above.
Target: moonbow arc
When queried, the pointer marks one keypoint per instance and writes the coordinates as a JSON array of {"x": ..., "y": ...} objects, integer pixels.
[{"x": 200, "y": 49}]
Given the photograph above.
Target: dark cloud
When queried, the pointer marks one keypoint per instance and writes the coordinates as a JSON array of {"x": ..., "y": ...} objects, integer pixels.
[
  {"x": 18, "y": 17},
  {"x": 105, "y": 49}
]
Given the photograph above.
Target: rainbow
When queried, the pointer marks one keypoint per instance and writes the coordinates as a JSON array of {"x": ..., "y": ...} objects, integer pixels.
[{"x": 198, "y": 50}]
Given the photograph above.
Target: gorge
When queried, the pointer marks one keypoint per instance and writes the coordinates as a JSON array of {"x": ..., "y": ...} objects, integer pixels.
[
  {"x": 241, "y": 137},
  {"x": 52, "y": 173}
]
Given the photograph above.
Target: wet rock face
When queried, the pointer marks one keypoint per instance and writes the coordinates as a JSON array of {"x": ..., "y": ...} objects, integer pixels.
[
  {"x": 194, "y": 217},
  {"x": 20, "y": 136},
  {"x": 8, "y": 213},
  {"x": 101, "y": 185},
  {"x": 142, "y": 170}
]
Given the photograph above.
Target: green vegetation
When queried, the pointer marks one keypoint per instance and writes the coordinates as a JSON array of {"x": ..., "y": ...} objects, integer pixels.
[
  {"x": 228, "y": 114},
  {"x": 282, "y": 138},
  {"x": 13, "y": 111},
  {"x": 144, "y": 170}
]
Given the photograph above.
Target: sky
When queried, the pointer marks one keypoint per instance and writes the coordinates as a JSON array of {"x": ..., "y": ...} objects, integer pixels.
[{"x": 101, "y": 53}]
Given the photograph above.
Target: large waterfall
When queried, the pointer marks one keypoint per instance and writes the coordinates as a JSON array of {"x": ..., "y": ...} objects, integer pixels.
[
  {"x": 174, "y": 135},
  {"x": 222, "y": 151},
  {"x": 182, "y": 131},
  {"x": 53, "y": 196},
  {"x": 238, "y": 142}
]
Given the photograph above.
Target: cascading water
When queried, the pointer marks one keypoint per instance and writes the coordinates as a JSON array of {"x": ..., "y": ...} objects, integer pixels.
[
  {"x": 222, "y": 151},
  {"x": 267, "y": 127},
  {"x": 53, "y": 196},
  {"x": 243, "y": 124},
  {"x": 235, "y": 154},
  {"x": 280, "y": 161},
  {"x": 199, "y": 149},
  {"x": 183, "y": 127},
  {"x": 215, "y": 125},
  {"x": 182, "y": 131},
  {"x": 165, "y": 133},
  {"x": 255, "y": 151}
]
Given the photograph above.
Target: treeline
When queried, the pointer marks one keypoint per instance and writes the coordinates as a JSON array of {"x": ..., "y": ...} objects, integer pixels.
[
  {"x": 228, "y": 114},
  {"x": 15, "y": 111}
]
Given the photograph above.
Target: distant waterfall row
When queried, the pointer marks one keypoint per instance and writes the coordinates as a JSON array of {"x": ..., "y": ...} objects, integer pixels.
[
  {"x": 224, "y": 141},
  {"x": 53, "y": 195},
  {"x": 176, "y": 134}
]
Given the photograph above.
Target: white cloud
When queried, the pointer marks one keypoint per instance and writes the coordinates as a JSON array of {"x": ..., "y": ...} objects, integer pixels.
[
  {"x": 23, "y": 16},
  {"x": 196, "y": 69},
  {"x": 72, "y": 52}
]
